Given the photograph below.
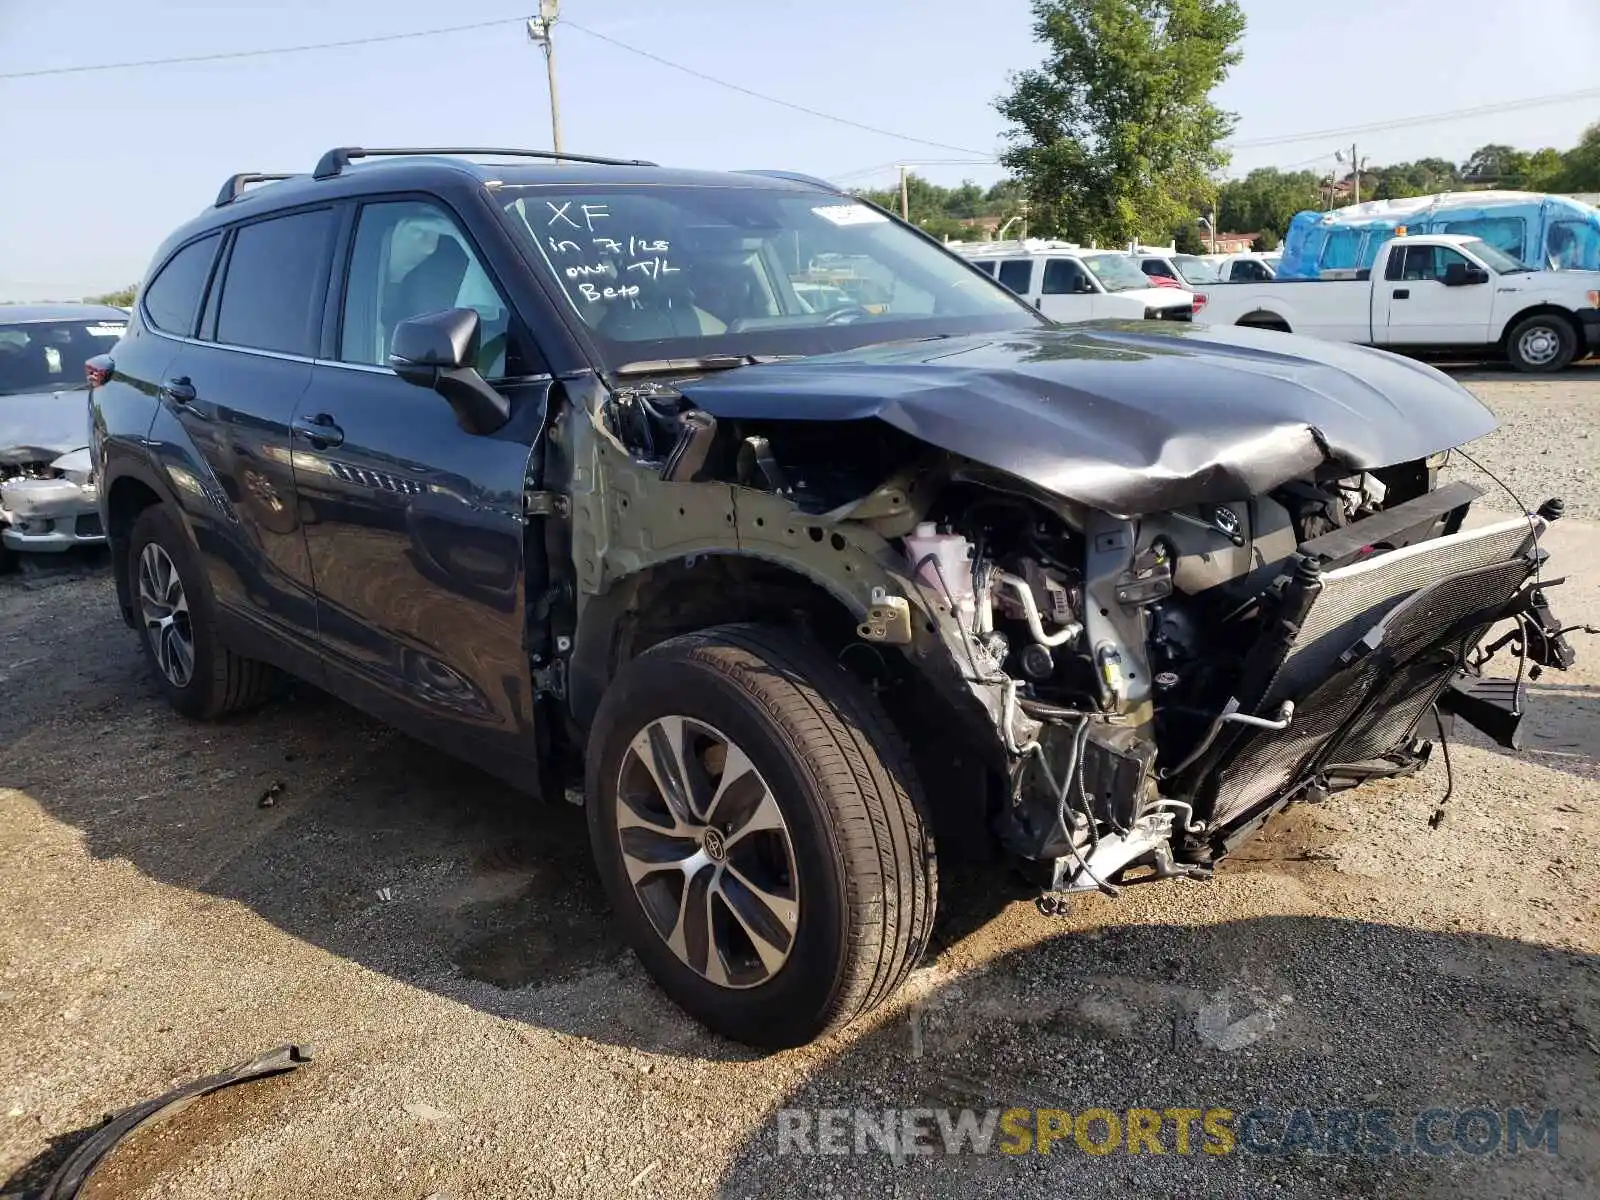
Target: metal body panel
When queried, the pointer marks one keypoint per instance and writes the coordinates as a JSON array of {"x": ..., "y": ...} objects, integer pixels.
[{"x": 1129, "y": 419}]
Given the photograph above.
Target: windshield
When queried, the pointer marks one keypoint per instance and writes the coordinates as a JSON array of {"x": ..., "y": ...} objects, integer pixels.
[
  {"x": 1502, "y": 262},
  {"x": 1195, "y": 270},
  {"x": 48, "y": 356},
  {"x": 1116, "y": 272},
  {"x": 658, "y": 272}
]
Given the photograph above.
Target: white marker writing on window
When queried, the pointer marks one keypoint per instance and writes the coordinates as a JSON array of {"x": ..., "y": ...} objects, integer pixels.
[
  {"x": 591, "y": 293},
  {"x": 655, "y": 268}
]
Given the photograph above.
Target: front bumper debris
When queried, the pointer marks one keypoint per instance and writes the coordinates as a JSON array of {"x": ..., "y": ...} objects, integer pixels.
[
  {"x": 49, "y": 515},
  {"x": 72, "y": 1175}
]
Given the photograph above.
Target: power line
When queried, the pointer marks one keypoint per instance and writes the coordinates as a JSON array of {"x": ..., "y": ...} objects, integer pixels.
[
  {"x": 263, "y": 53},
  {"x": 762, "y": 96},
  {"x": 1426, "y": 119},
  {"x": 864, "y": 172}
]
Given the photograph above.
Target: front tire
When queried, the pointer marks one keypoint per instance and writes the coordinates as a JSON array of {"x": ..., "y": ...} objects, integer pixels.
[
  {"x": 176, "y": 617},
  {"x": 756, "y": 821},
  {"x": 1540, "y": 344}
]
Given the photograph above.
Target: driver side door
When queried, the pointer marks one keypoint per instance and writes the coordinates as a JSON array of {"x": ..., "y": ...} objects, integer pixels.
[{"x": 1423, "y": 311}]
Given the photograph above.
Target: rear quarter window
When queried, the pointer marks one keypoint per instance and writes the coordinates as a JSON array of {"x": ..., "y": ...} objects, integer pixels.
[
  {"x": 172, "y": 299},
  {"x": 1017, "y": 274}
]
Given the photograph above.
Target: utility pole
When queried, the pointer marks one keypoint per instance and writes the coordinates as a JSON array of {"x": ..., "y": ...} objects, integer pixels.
[
  {"x": 540, "y": 32},
  {"x": 905, "y": 196},
  {"x": 1355, "y": 174}
]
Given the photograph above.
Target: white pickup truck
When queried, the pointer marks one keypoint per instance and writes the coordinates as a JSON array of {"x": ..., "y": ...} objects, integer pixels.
[{"x": 1436, "y": 293}]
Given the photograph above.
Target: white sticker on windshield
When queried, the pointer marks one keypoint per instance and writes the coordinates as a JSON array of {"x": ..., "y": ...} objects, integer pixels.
[
  {"x": 849, "y": 214},
  {"x": 115, "y": 331}
]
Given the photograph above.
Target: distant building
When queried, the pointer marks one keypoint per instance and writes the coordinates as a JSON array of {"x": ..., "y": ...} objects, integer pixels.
[
  {"x": 1234, "y": 243},
  {"x": 983, "y": 227}
]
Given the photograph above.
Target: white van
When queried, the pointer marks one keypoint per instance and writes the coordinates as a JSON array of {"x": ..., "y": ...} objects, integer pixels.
[{"x": 1067, "y": 282}]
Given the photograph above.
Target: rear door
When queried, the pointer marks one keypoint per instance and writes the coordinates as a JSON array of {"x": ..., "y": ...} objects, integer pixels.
[
  {"x": 232, "y": 392},
  {"x": 1419, "y": 310},
  {"x": 416, "y": 527},
  {"x": 1066, "y": 292}
]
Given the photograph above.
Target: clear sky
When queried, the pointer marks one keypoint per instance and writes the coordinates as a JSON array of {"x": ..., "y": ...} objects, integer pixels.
[{"x": 101, "y": 166}]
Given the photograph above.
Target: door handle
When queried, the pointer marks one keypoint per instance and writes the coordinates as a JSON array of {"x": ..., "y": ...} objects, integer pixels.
[
  {"x": 179, "y": 390},
  {"x": 318, "y": 429},
  {"x": 1402, "y": 294}
]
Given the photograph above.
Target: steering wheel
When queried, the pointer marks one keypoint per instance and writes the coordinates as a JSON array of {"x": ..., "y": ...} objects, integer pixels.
[{"x": 846, "y": 314}]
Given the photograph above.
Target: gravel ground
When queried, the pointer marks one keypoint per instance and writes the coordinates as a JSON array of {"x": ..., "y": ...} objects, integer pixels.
[{"x": 480, "y": 1032}]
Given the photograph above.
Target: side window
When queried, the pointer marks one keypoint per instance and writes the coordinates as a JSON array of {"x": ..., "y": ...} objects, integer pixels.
[
  {"x": 1503, "y": 233},
  {"x": 1063, "y": 277},
  {"x": 1017, "y": 274},
  {"x": 1572, "y": 246},
  {"x": 1150, "y": 266},
  {"x": 272, "y": 292},
  {"x": 410, "y": 259},
  {"x": 173, "y": 297},
  {"x": 1248, "y": 270},
  {"x": 986, "y": 266},
  {"x": 1340, "y": 250},
  {"x": 1436, "y": 264},
  {"x": 1395, "y": 265}
]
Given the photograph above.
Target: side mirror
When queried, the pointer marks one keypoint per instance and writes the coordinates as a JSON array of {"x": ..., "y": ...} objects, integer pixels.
[
  {"x": 1459, "y": 274},
  {"x": 439, "y": 351},
  {"x": 1086, "y": 286}
]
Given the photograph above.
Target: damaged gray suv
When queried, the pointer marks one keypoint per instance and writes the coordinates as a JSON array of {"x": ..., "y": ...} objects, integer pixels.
[{"x": 810, "y": 550}]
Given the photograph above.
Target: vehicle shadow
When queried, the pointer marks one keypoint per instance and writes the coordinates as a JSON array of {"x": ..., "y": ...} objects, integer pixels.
[
  {"x": 353, "y": 838},
  {"x": 1561, "y": 730},
  {"x": 1503, "y": 372},
  {"x": 1267, "y": 1014}
]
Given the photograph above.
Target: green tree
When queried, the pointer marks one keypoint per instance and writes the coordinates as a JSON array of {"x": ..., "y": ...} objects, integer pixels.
[
  {"x": 1266, "y": 242},
  {"x": 1580, "y": 166},
  {"x": 1266, "y": 199},
  {"x": 1544, "y": 168},
  {"x": 1115, "y": 135},
  {"x": 122, "y": 297},
  {"x": 1501, "y": 166},
  {"x": 1186, "y": 239},
  {"x": 1421, "y": 178}
]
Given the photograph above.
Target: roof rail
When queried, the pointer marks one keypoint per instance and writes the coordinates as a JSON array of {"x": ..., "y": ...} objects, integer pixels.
[
  {"x": 336, "y": 160},
  {"x": 234, "y": 187},
  {"x": 796, "y": 177}
]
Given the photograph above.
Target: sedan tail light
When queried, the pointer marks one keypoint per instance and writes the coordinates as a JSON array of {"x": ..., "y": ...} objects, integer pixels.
[{"x": 1199, "y": 301}]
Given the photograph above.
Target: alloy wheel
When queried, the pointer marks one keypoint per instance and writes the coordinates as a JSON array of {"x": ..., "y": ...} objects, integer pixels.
[
  {"x": 708, "y": 852},
  {"x": 164, "y": 608}
]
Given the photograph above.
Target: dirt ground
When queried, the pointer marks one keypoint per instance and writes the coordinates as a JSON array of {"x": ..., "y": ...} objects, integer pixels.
[{"x": 479, "y": 1031}]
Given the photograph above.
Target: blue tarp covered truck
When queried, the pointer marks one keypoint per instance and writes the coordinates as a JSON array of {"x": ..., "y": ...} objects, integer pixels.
[{"x": 1545, "y": 232}]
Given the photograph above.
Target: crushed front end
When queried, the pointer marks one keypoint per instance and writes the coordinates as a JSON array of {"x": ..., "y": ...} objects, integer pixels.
[
  {"x": 48, "y": 503},
  {"x": 1178, "y": 617}
]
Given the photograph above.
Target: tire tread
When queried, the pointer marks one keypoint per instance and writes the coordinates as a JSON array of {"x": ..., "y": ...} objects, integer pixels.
[{"x": 865, "y": 770}]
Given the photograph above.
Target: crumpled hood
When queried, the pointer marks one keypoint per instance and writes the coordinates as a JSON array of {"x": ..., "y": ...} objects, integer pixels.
[
  {"x": 1128, "y": 417},
  {"x": 53, "y": 421}
]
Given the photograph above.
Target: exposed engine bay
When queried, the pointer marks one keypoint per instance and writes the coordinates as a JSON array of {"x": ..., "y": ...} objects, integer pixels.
[{"x": 1158, "y": 681}]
